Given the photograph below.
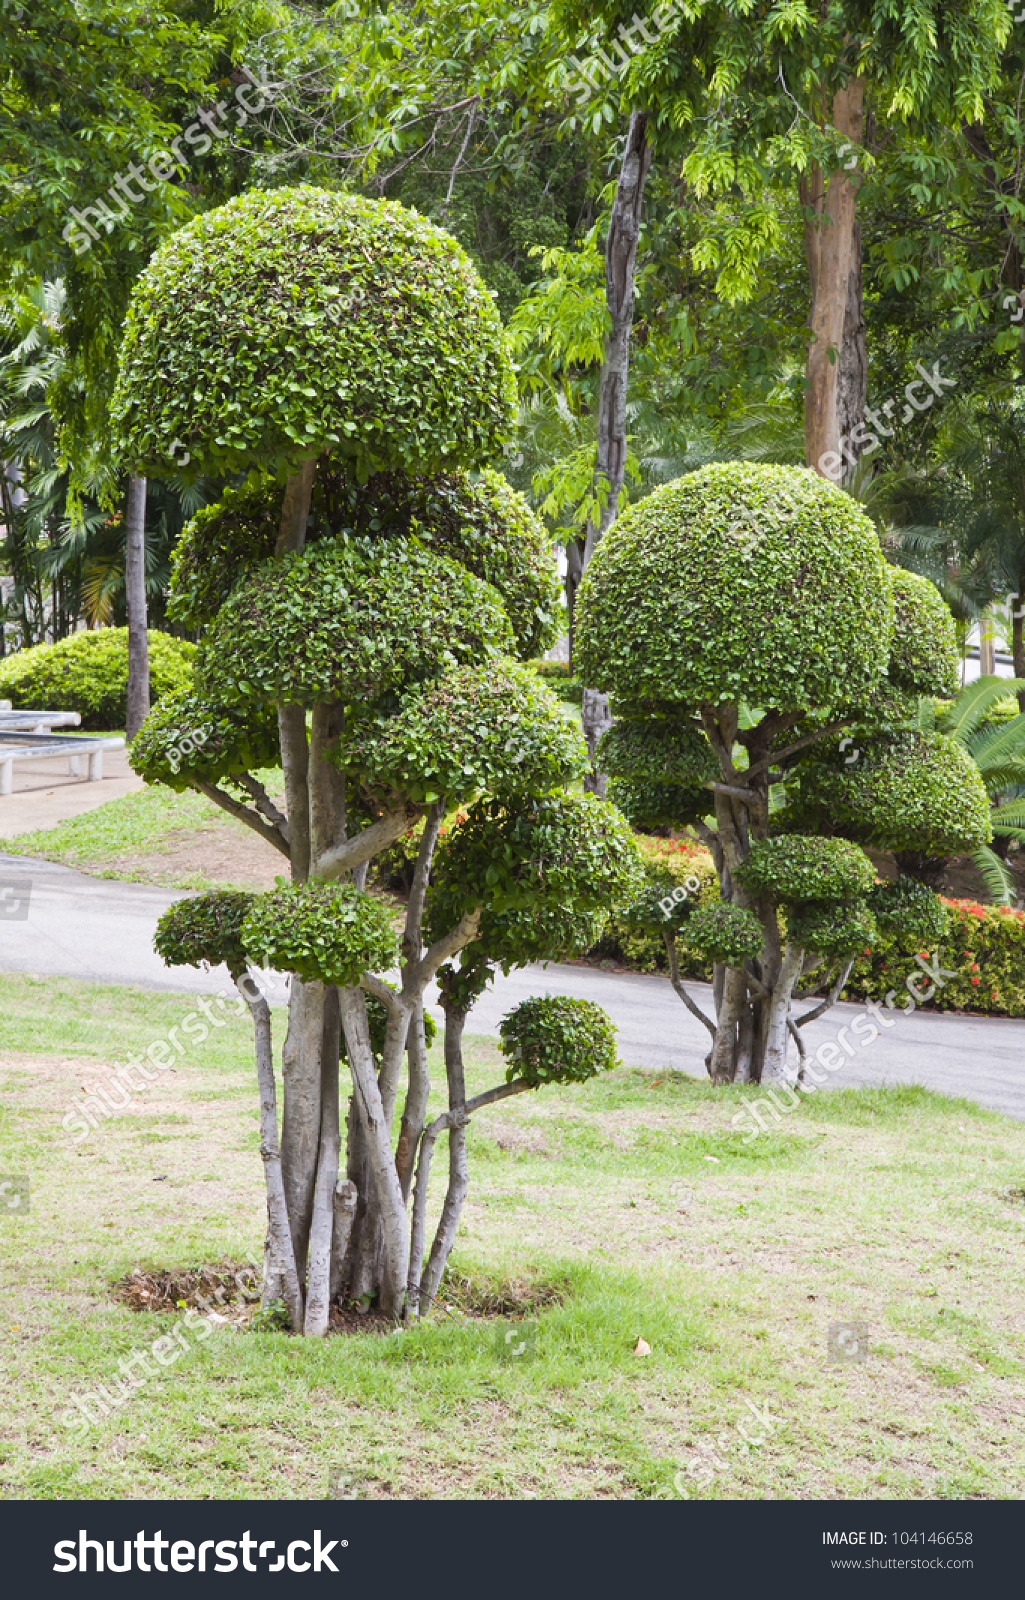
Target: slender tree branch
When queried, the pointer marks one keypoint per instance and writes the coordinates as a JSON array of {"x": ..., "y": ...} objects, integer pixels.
[
  {"x": 674, "y": 979},
  {"x": 831, "y": 998},
  {"x": 420, "y": 975},
  {"x": 236, "y": 809},
  {"x": 264, "y": 803}
]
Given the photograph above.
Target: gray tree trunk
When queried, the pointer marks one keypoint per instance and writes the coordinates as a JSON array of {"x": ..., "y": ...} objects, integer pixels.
[
  {"x": 852, "y": 377},
  {"x": 610, "y": 462},
  {"x": 135, "y": 604}
]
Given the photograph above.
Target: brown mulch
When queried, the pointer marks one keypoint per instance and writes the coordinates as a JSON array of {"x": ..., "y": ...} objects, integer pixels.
[{"x": 237, "y": 1285}]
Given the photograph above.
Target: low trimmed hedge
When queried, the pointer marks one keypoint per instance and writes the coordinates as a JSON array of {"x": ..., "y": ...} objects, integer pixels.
[
  {"x": 984, "y": 946},
  {"x": 88, "y": 673}
]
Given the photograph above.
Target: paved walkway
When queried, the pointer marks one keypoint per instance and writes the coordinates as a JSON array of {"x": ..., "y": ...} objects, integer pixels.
[
  {"x": 46, "y": 794},
  {"x": 101, "y": 930}
]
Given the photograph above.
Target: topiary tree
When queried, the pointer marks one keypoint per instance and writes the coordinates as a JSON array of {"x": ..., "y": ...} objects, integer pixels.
[
  {"x": 752, "y": 635},
  {"x": 373, "y": 600}
]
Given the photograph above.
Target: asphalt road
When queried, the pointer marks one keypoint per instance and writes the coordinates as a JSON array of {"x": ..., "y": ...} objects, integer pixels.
[{"x": 100, "y": 930}]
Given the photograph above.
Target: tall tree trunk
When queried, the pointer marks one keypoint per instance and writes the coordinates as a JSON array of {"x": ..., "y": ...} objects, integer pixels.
[
  {"x": 135, "y": 603},
  {"x": 610, "y": 463},
  {"x": 852, "y": 377},
  {"x": 829, "y": 238}
]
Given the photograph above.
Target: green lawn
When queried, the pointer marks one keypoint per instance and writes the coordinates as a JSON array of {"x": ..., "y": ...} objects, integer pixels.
[
  {"x": 633, "y": 1193},
  {"x": 146, "y": 837}
]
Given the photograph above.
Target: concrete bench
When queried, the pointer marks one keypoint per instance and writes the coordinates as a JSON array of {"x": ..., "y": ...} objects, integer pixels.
[
  {"x": 48, "y": 746},
  {"x": 36, "y": 721}
]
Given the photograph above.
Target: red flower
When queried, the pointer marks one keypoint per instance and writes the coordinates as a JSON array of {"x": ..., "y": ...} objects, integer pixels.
[{"x": 976, "y": 981}]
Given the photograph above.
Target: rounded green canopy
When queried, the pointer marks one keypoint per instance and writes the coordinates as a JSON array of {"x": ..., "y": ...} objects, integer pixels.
[{"x": 293, "y": 321}]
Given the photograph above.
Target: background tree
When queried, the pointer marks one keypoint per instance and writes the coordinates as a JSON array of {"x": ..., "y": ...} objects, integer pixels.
[{"x": 751, "y": 607}]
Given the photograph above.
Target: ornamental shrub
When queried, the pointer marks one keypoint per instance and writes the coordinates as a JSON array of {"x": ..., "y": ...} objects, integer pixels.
[
  {"x": 206, "y": 927},
  {"x": 480, "y": 522},
  {"x": 293, "y": 321},
  {"x": 564, "y": 849},
  {"x": 493, "y": 729},
  {"x": 983, "y": 946},
  {"x": 326, "y": 932},
  {"x": 187, "y": 738},
  {"x": 836, "y": 929},
  {"x": 349, "y": 621},
  {"x": 658, "y": 805},
  {"x": 634, "y": 932},
  {"x": 914, "y": 792},
  {"x": 924, "y": 658},
  {"x": 909, "y": 910},
  {"x": 796, "y": 867},
  {"x": 556, "y": 1039},
  {"x": 715, "y": 587},
  {"x": 724, "y": 932},
  {"x": 650, "y": 751},
  {"x": 88, "y": 673}
]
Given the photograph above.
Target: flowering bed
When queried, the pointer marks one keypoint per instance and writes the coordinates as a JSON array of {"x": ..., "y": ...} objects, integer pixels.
[{"x": 985, "y": 947}]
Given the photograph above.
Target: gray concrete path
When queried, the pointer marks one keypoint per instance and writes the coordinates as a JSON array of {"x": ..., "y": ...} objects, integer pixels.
[{"x": 101, "y": 930}]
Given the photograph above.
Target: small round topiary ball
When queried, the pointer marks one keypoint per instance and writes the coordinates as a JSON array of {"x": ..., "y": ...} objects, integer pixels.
[
  {"x": 556, "y": 1039},
  {"x": 293, "y": 321},
  {"x": 739, "y": 582},
  {"x": 206, "y": 927}
]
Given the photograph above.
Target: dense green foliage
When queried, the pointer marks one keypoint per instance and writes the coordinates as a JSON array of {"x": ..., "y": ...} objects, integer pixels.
[
  {"x": 88, "y": 673},
  {"x": 480, "y": 522},
  {"x": 554, "y": 1039},
  {"x": 715, "y": 588},
  {"x": 650, "y": 751},
  {"x": 909, "y": 910},
  {"x": 835, "y": 930},
  {"x": 331, "y": 933},
  {"x": 913, "y": 791},
  {"x": 349, "y": 621},
  {"x": 982, "y": 948},
  {"x": 186, "y": 739},
  {"x": 492, "y": 729},
  {"x": 796, "y": 868},
  {"x": 725, "y": 932},
  {"x": 561, "y": 850},
  {"x": 648, "y": 806},
  {"x": 232, "y": 350},
  {"x": 924, "y": 657},
  {"x": 206, "y": 928}
]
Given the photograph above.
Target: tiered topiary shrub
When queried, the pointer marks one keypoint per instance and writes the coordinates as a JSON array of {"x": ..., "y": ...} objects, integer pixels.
[
  {"x": 365, "y": 597},
  {"x": 750, "y": 632}
]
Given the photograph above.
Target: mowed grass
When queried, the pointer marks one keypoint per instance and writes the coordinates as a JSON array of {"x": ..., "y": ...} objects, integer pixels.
[
  {"x": 131, "y": 837},
  {"x": 897, "y": 1207}
]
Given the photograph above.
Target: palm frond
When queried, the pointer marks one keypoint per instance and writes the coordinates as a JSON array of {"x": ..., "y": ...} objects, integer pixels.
[
  {"x": 961, "y": 717},
  {"x": 995, "y": 875}
]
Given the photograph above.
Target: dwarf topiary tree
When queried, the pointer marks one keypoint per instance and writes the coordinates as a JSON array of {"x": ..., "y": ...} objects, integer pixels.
[
  {"x": 752, "y": 636},
  {"x": 377, "y": 596}
]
